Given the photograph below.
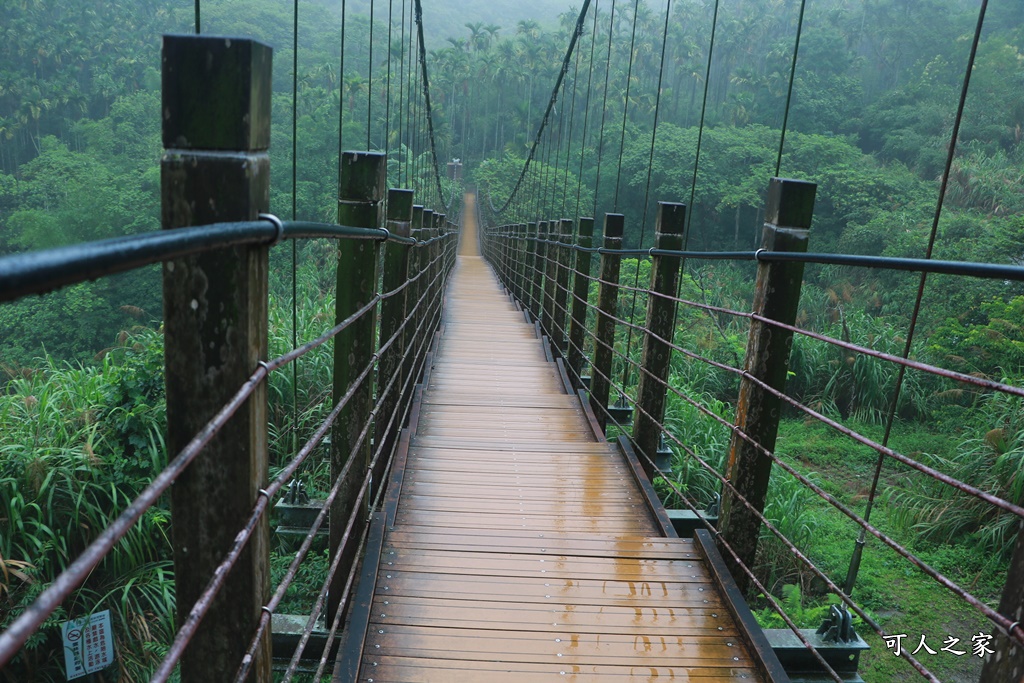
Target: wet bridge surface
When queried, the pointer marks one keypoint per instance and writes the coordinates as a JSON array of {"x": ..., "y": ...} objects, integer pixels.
[{"x": 519, "y": 546}]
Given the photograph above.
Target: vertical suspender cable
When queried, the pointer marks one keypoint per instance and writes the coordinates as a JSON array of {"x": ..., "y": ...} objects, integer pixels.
[
  {"x": 700, "y": 137},
  {"x": 369, "y": 82},
  {"x": 198, "y": 11},
  {"x": 789, "y": 92},
  {"x": 295, "y": 258},
  {"x": 647, "y": 189},
  {"x": 387, "y": 97},
  {"x": 568, "y": 140},
  {"x": 341, "y": 93},
  {"x": 426, "y": 100},
  {"x": 625, "y": 106},
  {"x": 401, "y": 102},
  {"x": 586, "y": 112},
  {"x": 851, "y": 576},
  {"x": 604, "y": 105}
]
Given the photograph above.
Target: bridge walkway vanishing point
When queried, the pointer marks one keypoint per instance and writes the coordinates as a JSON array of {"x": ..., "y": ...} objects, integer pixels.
[{"x": 521, "y": 547}]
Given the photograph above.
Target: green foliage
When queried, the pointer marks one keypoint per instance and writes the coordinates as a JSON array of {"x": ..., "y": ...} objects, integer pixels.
[{"x": 79, "y": 444}]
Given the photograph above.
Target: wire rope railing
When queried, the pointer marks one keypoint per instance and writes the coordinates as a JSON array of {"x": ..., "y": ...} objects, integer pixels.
[
  {"x": 385, "y": 324},
  {"x": 526, "y": 257}
]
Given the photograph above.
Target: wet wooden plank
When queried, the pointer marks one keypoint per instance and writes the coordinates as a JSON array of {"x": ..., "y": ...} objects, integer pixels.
[{"x": 522, "y": 549}]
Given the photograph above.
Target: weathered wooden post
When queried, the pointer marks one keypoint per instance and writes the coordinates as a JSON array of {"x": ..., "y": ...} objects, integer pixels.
[
  {"x": 392, "y": 312},
  {"x": 787, "y": 225},
  {"x": 1007, "y": 662},
  {"x": 581, "y": 292},
  {"x": 216, "y": 132},
  {"x": 539, "y": 268},
  {"x": 560, "y": 308},
  {"x": 661, "y": 322},
  {"x": 416, "y": 289},
  {"x": 360, "y": 193},
  {"x": 519, "y": 260},
  {"x": 607, "y": 304},
  {"x": 550, "y": 278},
  {"x": 529, "y": 265}
]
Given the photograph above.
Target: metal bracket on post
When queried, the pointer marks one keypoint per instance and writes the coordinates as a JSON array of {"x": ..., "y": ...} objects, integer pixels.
[{"x": 776, "y": 296}]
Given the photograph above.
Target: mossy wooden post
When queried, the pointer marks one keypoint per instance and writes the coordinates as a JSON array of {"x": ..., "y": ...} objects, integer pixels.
[
  {"x": 550, "y": 278},
  {"x": 518, "y": 257},
  {"x": 415, "y": 293},
  {"x": 216, "y": 132},
  {"x": 580, "y": 293},
  {"x": 560, "y": 308},
  {"x": 529, "y": 265},
  {"x": 1007, "y": 664},
  {"x": 359, "y": 203},
  {"x": 607, "y": 304},
  {"x": 661, "y": 322},
  {"x": 392, "y": 312},
  {"x": 540, "y": 261},
  {"x": 776, "y": 296}
]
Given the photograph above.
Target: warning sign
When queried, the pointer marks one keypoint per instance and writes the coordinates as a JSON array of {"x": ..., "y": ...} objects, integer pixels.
[{"x": 88, "y": 644}]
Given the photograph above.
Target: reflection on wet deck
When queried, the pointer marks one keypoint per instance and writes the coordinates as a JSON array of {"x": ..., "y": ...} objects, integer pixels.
[{"x": 522, "y": 549}]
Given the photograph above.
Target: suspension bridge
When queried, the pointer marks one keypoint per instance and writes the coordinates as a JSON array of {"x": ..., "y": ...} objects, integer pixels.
[{"x": 491, "y": 514}]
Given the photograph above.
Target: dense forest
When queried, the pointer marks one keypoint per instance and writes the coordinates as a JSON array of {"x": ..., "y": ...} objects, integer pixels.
[{"x": 874, "y": 95}]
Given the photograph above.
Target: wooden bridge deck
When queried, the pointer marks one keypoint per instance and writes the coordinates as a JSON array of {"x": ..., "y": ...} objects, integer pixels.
[{"x": 521, "y": 548}]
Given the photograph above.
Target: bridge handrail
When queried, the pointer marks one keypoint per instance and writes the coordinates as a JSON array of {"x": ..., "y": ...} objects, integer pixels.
[
  {"x": 45, "y": 270},
  {"x": 527, "y": 255}
]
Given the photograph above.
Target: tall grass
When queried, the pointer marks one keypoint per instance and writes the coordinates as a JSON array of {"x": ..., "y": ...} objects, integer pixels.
[{"x": 79, "y": 444}]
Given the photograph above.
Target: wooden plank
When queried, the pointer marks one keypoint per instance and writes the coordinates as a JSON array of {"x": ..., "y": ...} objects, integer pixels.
[
  {"x": 387, "y": 669},
  {"x": 522, "y": 547}
]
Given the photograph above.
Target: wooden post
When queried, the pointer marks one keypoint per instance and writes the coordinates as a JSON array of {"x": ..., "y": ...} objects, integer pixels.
[
  {"x": 360, "y": 193},
  {"x": 539, "y": 269},
  {"x": 519, "y": 262},
  {"x": 581, "y": 291},
  {"x": 661, "y": 322},
  {"x": 550, "y": 278},
  {"x": 529, "y": 265},
  {"x": 1007, "y": 664},
  {"x": 560, "y": 309},
  {"x": 415, "y": 293},
  {"x": 216, "y": 131},
  {"x": 392, "y": 312},
  {"x": 776, "y": 296},
  {"x": 607, "y": 304}
]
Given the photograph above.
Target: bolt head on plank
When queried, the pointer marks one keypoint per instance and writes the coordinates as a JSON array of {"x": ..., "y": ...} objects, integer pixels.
[
  {"x": 790, "y": 203},
  {"x": 216, "y": 93}
]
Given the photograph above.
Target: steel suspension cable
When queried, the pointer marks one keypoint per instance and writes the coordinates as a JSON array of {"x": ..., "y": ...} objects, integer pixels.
[
  {"x": 647, "y": 186},
  {"x": 551, "y": 103},
  {"x": 604, "y": 105},
  {"x": 586, "y": 111},
  {"x": 858, "y": 550},
  {"x": 387, "y": 97},
  {"x": 295, "y": 258},
  {"x": 369, "y": 81},
  {"x": 700, "y": 138},
  {"x": 568, "y": 141},
  {"x": 426, "y": 101},
  {"x": 341, "y": 92},
  {"x": 789, "y": 91},
  {"x": 198, "y": 12},
  {"x": 625, "y": 107},
  {"x": 401, "y": 103}
]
